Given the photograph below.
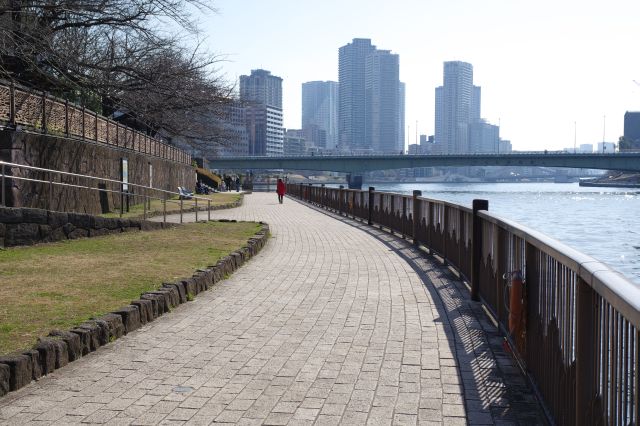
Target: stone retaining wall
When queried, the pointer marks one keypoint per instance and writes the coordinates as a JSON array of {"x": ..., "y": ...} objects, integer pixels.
[
  {"x": 24, "y": 226},
  {"x": 61, "y": 347},
  {"x": 85, "y": 158}
]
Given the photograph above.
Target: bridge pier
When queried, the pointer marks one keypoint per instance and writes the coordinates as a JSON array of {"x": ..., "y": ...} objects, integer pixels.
[{"x": 354, "y": 181}]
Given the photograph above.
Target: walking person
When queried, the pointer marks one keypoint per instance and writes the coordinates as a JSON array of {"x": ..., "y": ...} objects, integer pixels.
[
  {"x": 281, "y": 189},
  {"x": 237, "y": 183}
]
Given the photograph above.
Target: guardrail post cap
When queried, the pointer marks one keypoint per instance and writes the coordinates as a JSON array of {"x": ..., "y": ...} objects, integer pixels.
[
  {"x": 417, "y": 192},
  {"x": 371, "y": 189},
  {"x": 480, "y": 205}
]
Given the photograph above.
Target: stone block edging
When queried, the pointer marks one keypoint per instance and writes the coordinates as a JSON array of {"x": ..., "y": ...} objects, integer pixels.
[{"x": 61, "y": 347}]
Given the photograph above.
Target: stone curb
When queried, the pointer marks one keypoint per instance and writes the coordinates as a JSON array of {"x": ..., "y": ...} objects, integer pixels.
[{"x": 61, "y": 347}]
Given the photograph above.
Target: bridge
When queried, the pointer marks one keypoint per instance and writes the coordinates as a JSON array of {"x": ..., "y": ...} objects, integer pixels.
[{"x": 358, "y": 164}]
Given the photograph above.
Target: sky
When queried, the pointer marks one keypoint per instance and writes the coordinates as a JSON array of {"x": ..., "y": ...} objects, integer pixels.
[{"x": 553, "y": 72}]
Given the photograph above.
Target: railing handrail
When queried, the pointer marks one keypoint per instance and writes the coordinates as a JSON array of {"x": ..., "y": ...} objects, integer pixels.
[
  {"x": 182, "y": 156},
  {"x": 612, "y": 285}
]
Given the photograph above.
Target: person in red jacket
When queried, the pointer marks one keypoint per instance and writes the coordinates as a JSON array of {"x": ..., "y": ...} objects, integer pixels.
[{"x": 281, "y": 189}]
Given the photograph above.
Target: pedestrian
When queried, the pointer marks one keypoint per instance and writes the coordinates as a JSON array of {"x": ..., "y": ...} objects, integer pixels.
[
  {"x": 237, "y": 184},
  {"x": 281, "y": 190}
]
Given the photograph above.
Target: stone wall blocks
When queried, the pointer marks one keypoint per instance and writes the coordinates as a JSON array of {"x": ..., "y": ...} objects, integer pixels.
[
  {"x": 130, "y": 317},
  {"x": 21, "y": 370},
  {"x": 36, "y": 367},
  {"x": 57, "y": 219},
  {"x": 159, "y": 302},
  {"x": 47, "y": 355},
  {"x": 113, "y": 324},
  {"x": 190, "y": 287},
  {"x": 19, "y": 234},
  {"x": 74, "y": 345},
  {"x": 180, "y": 289},
  {"x": 78, "y": 233},
  {"x": 80, "y": 220},
  {"x": 5, "y": 374},
  {"x": 98, "y": 331},
  {"x": 11, "y": 215},
  {"x": 86, "y": 344},
  {"x": 146, "y": 310},
  {"x": 35, "y": 216}
]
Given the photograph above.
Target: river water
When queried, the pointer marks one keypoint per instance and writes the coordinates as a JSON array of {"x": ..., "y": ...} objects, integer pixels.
[{"x": 601, "y": 222}]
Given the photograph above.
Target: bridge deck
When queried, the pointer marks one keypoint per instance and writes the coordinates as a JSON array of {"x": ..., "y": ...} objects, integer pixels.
[{"x": 333, "y": 322}]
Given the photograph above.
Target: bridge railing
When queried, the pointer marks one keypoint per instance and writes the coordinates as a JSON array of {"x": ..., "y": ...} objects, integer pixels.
[
  {"x": 578, "y": 340},
  {"x": 20, "y": 106}
]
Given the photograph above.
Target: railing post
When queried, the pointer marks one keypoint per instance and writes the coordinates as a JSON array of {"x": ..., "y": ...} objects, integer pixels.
[
  {"x": 309, "y": 192},
  {"x": 44, "y": 112},
  {"x": 95, "y": 115},
  {"x": 415, "y": 216},
  {"x": 371, "y": 195},
  {"x": 66, "y": 117},
  {"x": 209, "y": 210},
  {"x": 50, "y": 201},
  {"x": 196, "y": 199},
  {"x": 83, "y": 123},
  {"x": 585, "y": 344},
  {"x": 476, "y": 258},
  {"x": 12, "y": 105},
  {"x": 340, "y": 197},
  {"x": 404, "y": 216},
  {"x": 144, "y": 215},
  {"x": 181, "y": 208},
  {"x": 164, "y": 208},
  {"x": 4, "y": 203}
]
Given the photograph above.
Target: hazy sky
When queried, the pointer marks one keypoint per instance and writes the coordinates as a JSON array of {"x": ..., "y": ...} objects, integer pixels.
[{"x": 542, "y": 65}]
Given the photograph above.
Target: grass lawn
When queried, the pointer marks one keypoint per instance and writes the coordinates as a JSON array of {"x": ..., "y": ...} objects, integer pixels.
[
  {"x": 173, "y": 205},
  {"x": 59, "y": 285}
]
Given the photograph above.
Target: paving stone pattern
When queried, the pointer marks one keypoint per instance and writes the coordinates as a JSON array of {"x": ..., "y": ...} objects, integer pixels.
[{"x": 334, "y": 322}]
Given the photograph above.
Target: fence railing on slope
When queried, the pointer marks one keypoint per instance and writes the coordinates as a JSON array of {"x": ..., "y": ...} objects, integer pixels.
[
  {"x": 20, "y": 106},
  {"x": 130, "y": 194},
  {"x": 578, "y": 340}
]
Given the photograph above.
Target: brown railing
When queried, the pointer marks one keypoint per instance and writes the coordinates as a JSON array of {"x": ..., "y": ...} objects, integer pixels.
[
  {"x": 578, "y": 340},
  {"x": 20, "y": 106}
]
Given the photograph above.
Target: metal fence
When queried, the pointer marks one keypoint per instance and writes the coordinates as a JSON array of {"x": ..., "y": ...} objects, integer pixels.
[
  {"x": 579, "y": 343},
  {"x": 20, "y": 106},
  {"x": 128, "y": 193}
]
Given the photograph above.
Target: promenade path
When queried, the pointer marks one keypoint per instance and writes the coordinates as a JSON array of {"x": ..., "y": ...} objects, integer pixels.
[{"x": 333, "y": 322}]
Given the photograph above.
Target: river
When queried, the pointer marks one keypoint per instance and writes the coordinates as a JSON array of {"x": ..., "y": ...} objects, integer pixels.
[{"x": 601, "y": 222}]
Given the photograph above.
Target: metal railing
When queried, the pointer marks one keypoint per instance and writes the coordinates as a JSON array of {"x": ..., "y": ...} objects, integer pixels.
[
  {"x": 20, "y": 106},
  {"x": 580, "y": 345},
  {"x": 128, "y": 193}
]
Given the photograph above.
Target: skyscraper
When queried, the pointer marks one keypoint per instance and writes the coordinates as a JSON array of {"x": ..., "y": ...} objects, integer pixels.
[
  {"x": 454, "y": 108},
  {"x": 320, "y": 113},
  {"x": 382, "y": 92},
  {"x": 371, "y": 100},
  {"x": 261, "y": 92},
  {"x": 351, "y": 109},
  {"x": 401, "y": 109}
]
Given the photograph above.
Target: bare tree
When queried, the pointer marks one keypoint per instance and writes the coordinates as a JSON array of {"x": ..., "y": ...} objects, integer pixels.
[{"x": 129, "y": 58}]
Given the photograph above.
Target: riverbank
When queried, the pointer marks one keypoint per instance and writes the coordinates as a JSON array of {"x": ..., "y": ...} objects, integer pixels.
[{"x": 620, "y": 180}]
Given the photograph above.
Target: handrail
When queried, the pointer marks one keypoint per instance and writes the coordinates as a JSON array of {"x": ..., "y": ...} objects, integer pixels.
[
  {"x": 145, "y": 190},
  {"x": 20, "y": 105},
  {"x": 579, "y": 339}
]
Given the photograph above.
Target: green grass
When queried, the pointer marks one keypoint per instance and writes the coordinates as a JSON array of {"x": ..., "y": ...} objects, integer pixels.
[
  {"x": 173, "y": 205},
  {"x": 59, "y": 285}
]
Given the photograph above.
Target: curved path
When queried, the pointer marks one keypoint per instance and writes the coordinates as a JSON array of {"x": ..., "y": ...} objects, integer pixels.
[{"x": 333, "y": 322}]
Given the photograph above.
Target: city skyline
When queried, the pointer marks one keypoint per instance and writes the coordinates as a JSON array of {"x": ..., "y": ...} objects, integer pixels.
[{"x": 545, "y": 68}]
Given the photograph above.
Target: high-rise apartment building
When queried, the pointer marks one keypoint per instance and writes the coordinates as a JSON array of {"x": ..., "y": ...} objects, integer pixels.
[
  {"x": 382, "y": 91},
  {"x": 261, "y": 92},
  {"x": 484, "y": 137},
  {"x": 458, "y": 105},
  {"x": 320, "y": 113},
  {"x": 401, "y": 110},
  {"x": 351, "y": 107},
  {"x": 369, "y": 112}
]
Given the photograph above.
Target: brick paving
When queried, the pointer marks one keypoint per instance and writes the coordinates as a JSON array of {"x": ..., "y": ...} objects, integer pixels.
[{"x": 334, "y": 322}]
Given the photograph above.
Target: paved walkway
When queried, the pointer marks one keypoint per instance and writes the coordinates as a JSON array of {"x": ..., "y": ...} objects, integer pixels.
[{"x": 333, "y": 322}]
